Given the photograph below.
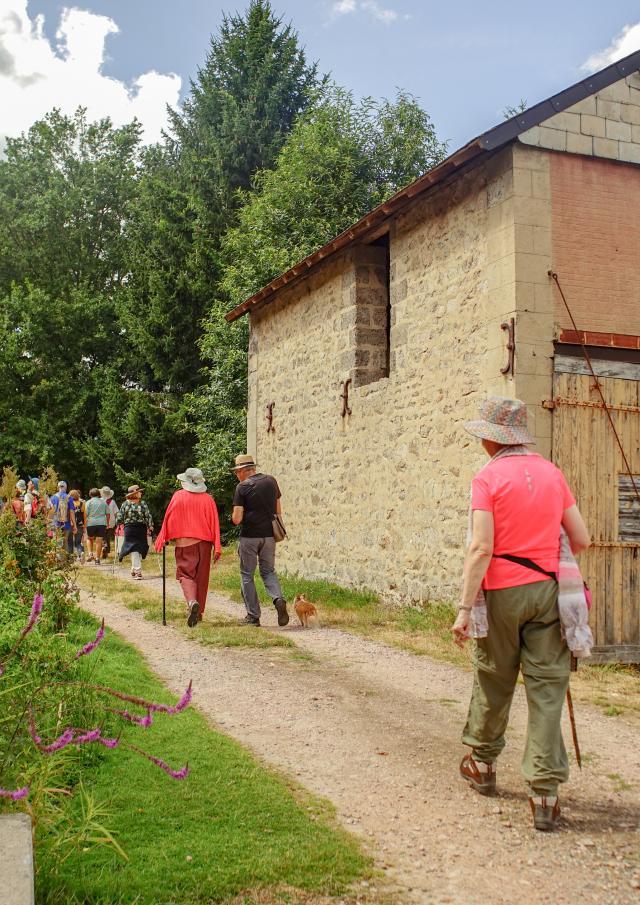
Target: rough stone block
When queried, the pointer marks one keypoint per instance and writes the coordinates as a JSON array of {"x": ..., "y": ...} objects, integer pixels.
[
  {"x": 16, "y": 860},
  {"x": 606, "y": 147},
  {"x": 619, "y": 91},
  {"x": 553, "y": 139},
  {"x": 629, "y": 152},
  {"x": 609, "y": 109},
  {"x": 531, "y": 136},
  {"x": 592, "y": 125},
  {"x": 617, "y": 130},
  {"x": 629, "y": 113},
  {"x": 532, "y": 211},
  {"x": 565, "y": 121},
  {"x": 370, "y": 337},
  {"x": 580, "y": 144},
  {"x": 586, "y": 105},
  {"x": 541, "y": 183}
]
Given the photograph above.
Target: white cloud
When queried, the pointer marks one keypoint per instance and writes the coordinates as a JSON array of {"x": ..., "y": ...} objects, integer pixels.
[
  {"x": 371, "y": 7},
  {"x": 35, "y": 75},
  {"x": 628, "y": 41}
]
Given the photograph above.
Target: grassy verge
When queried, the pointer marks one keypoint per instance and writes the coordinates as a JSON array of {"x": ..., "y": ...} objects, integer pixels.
[
  {"x": 231, "y": 829},
  {"x": 426, "y": 631},
  {"x": 218, "y": 631}
]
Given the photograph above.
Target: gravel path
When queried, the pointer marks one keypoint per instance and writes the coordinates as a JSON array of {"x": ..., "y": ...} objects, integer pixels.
[{"x": 376, "y": 730}]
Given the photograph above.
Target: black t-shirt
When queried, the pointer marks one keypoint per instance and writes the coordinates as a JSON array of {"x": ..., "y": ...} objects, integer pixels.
[{"x": 257, "y": 495}]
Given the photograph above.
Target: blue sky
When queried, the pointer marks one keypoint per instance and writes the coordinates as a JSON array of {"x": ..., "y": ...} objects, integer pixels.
[{"x": 465, "y": 61}]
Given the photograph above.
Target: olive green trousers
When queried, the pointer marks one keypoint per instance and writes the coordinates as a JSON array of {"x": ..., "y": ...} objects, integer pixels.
[{"x": 524, "y": 634}]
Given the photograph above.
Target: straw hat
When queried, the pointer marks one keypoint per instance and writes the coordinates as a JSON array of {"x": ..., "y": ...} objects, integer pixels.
[
  {"x": 503, "y": 421},
  {"x": 192, "y": 480},
  {"x": 106, "y": 492},
  {"x": 133, "y": 490},
  {"x": 244, "y": 461}
]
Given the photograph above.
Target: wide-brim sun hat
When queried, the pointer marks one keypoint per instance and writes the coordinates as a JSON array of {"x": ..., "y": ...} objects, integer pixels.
[
  {"x": 106, "y": 493},
  {"x": 192, "y": 480},
  {"x": 244, "y": 461},
  {"x": 502, "y": 420},
  {"x": 133, "y": 490}
]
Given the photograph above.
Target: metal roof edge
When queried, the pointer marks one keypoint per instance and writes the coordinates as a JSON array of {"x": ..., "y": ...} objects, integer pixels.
[{"x": 489, "y": 141}]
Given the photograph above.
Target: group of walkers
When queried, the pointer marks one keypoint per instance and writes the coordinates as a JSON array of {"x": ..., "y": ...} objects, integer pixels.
[
  {"x": 89, "y": 530},
  {"x": 522, "y": 600}
]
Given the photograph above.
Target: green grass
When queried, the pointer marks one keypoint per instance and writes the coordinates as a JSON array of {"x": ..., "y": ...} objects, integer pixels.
[
  {"x": 219, "y": 631},
  {"x": 231, "y": 826}
]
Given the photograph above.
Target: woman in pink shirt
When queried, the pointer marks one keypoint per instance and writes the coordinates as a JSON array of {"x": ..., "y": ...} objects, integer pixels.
[
  {"x": 519, "y": 501},
  {"x": 191, "y": 520}
]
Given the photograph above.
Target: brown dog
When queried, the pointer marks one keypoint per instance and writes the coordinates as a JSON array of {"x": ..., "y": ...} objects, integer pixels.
[{"x": 305, "y": 610}]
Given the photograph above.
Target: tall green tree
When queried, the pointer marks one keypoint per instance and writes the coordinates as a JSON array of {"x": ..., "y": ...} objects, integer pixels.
[
  {"x": 341, "y": 159},
  {"x": 253, "y": 85},
  {"x": 66, "y": 190}
]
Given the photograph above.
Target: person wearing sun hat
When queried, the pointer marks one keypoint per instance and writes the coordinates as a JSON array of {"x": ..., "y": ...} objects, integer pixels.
[
  {"x": 519, "y": 501},
  {"x": 191, "y": 521},
  {"x": 255, "y": 502},
  {"x": 138, "y": 525},
  {"x": 107, "y": 495}
]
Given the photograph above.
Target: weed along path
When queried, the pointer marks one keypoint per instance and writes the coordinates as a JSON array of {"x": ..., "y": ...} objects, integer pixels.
[{"x": 376, "y": 730}]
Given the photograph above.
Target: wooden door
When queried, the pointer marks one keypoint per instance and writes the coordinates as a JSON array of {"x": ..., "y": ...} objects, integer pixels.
[{"x": 585, "y": 448}]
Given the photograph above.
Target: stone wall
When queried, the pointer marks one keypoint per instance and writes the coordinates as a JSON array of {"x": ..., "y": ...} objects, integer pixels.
[
  {"x": 379, "y": 498},
  {"x": 606, "y": 124}
]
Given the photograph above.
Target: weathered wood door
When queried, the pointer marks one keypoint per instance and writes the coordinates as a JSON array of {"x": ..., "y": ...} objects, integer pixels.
[{"x": 585, "y": 448}]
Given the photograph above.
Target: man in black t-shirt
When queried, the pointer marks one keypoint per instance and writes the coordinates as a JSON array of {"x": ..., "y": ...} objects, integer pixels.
[{"x": 255, "y": 502}]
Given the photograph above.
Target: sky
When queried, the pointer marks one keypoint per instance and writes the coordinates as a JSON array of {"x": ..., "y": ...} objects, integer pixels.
[{"x": 465, "y": 61}]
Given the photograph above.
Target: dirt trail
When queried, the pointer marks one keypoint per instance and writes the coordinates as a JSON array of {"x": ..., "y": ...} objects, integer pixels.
[{"x": 376, "y": 730}]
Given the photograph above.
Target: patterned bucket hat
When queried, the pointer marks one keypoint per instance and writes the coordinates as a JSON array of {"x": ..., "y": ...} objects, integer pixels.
[{"x": 503, "y": 421}]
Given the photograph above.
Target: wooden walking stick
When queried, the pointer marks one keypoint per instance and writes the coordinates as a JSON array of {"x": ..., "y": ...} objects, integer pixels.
[
  {"x": 164, "y": 585},
  {"x": 572, "y": 716}
]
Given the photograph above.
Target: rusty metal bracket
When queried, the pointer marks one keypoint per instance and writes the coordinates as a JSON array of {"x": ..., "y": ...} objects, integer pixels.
[
  {"x": 344, "y": 395},
  {"x": 510, "y": 327},
  {"x": 269, "y": 418},
  {"x": 576, "y": 403}
]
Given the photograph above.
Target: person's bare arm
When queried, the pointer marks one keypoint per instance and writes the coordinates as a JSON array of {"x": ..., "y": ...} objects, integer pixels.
[
  {"x": 476, "y": 564},
  {"x": 279, "y": 506},
  {"x": 574, "y": 525},
  {"x": 72, "y": 519},
  {"x": 237, "y": 515}
]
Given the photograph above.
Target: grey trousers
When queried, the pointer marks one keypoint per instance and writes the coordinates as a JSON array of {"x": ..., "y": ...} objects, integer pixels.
[{"x": 261, "y": 552}]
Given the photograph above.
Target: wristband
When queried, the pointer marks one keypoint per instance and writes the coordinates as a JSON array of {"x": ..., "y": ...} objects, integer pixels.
[{"x": 467, "y": 609}]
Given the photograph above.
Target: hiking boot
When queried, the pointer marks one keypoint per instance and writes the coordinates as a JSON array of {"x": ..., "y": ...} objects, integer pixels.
[
  {"x": 281, "y": 608},
  {"x": 249, "y": 620},
  {"x": 545, "y": 810},
  {"x": 480, "y": 776},
  {"x": 194, "y": 612}
]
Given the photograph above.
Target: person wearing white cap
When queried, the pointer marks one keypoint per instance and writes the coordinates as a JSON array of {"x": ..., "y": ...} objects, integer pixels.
[
  {"x": 113, "y": 509},
  {"x": 255, "y": 502},
  {"x": 191, "y": 521}
]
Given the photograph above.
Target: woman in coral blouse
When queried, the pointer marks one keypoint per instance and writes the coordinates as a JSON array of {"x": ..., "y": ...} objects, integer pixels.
[{"x": 191, "y": 520}]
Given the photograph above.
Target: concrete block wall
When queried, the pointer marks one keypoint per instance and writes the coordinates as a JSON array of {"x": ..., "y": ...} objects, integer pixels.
[{"x": 607, "y": 124}]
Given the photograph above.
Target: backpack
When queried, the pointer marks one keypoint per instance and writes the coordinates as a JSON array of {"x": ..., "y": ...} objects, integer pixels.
[{"x": 62, "y": 509}]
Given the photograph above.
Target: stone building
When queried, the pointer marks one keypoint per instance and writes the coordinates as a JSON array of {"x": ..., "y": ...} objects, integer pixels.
[{"x": 366, "y": 357}]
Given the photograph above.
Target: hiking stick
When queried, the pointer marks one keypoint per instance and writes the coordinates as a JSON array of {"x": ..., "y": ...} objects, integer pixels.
[
  {"x": 574, "y": 732},
  {"x": 164, "y": 585}
]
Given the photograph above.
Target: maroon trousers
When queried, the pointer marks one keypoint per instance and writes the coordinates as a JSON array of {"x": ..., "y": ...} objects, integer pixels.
[{"x": 193, "y": 564}]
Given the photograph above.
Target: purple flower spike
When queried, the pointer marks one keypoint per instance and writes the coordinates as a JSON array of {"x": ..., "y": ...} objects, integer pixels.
[
  {"x": 109, "y": 742},
  {"x": 15, "y": 794},
  {"x": 144, "y": 721},
  {"x": 184, "y": 702},
  {"x": 92, "y": 736},
  {"x": 57, "y": 744},
  {"x": 174, "y": 774},
  {"x": 91, "y": 646},
  {"x": 34, "y": 615}
]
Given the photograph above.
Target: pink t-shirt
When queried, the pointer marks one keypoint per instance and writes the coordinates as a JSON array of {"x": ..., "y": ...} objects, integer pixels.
[{"x": 527, "y": 496}]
